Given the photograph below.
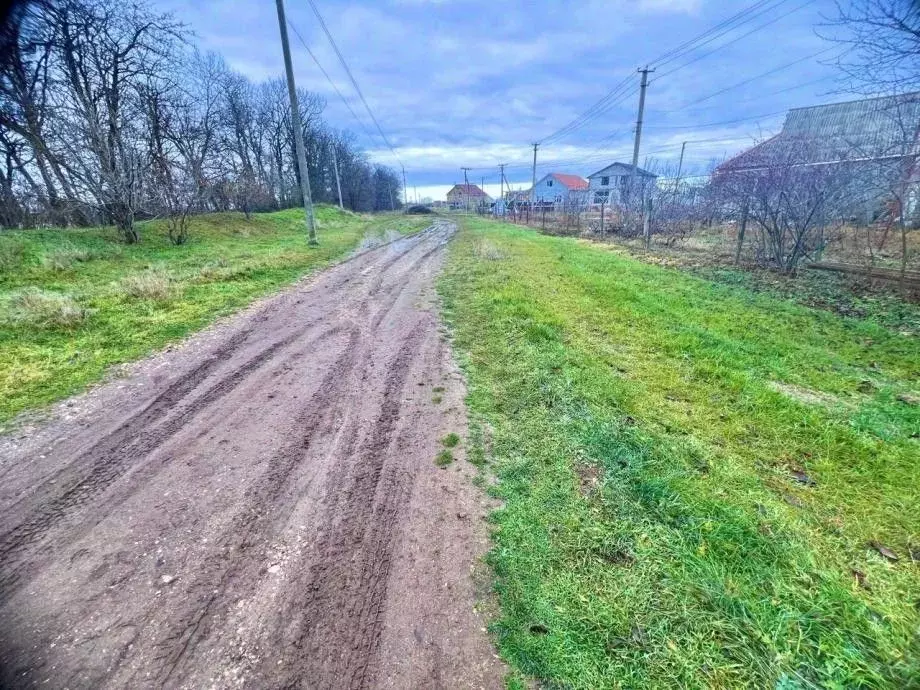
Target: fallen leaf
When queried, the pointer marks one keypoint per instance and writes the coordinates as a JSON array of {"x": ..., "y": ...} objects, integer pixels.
[
  {"x": 884, "y": 551},
  {"x": 802, "y": 478}
]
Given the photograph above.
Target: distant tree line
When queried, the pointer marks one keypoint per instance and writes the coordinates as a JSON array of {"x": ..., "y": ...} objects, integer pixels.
[{"x": 108, "y": 115}]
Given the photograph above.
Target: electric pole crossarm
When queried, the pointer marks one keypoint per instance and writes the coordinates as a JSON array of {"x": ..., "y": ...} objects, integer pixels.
[{"x": 298, "y": 130}]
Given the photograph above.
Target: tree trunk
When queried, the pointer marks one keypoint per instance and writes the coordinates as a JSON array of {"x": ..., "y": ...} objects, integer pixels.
[{"x": 741, "y": 230}]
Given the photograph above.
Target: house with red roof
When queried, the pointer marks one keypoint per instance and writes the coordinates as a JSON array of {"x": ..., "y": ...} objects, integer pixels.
[{"x": 559, "y": 188}]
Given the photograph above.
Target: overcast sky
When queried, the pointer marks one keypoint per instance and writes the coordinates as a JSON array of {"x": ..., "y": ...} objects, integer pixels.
[{"x": 474, "y": 83}]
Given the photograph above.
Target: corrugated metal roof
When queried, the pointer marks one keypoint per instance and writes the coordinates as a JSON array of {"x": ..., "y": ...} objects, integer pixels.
[{"x": 872, "y": 128}]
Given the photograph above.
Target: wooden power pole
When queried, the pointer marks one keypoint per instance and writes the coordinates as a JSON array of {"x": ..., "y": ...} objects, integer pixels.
[{"x": 298, "y": 131}]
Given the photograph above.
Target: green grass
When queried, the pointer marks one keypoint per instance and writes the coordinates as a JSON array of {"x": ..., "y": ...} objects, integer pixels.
[
  {"x": 75, "y": 302},
  {"x": 452, "y": 440},
  {"x": 444, "y": 458},
  {"x": 691, "y": 473}
]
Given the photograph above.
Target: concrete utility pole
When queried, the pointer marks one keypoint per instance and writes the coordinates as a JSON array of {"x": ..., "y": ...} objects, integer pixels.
[
  {"x": 405, "y": 186},
  {"x": 466, "y": 187},
  {"x": 635, "y": 159},
  {"x": 298, "y": 131},
  {"x": 533, "y": 187},
  {"x": 338, "y": 184},
  {"x": 680, "y": 167},
  {"x": 501, "y": 184}
]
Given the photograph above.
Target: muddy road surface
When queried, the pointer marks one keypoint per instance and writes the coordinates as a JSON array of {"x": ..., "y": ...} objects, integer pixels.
[{"x": 258, "y": 507}]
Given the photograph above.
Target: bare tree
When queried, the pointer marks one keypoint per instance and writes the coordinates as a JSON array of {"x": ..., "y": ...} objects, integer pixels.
[
  {"x": 883, "y": 41},
  {"x": 789, "y": 198}
]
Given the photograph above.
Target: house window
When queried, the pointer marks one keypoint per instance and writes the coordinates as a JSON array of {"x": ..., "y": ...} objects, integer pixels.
[
  {"x": 605, "y": 181},
  {"x": 601, "y": 197},
  {"x": 549, "y": 183}
]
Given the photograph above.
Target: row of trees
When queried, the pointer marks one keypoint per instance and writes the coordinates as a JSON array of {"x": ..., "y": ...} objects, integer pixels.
[{"x": 108, "y": 115}]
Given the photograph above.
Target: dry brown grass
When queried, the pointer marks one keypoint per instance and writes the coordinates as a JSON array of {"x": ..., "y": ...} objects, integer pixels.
[
  {"x": 43, "y": 309},
  {"x": 153, "y": 284}
]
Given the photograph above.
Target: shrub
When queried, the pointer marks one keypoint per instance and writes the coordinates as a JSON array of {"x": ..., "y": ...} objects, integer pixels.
[
  {"x": 153, "y": 284},
  {"x": 44, "y": 309},
  {"x": 63, "y": 257}
]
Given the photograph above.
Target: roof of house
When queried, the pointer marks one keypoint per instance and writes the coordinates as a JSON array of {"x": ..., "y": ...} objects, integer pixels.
[
  {"x": 570, "y": 182},
  {"x": 868, "y": 129},
  {"x": 620, "y": 170},
  {"x": 470, "y": 190}
]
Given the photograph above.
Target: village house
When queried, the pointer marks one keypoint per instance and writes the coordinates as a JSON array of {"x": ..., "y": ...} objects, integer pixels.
[
  {"x": 874, "y": 143},
  {"x": 559, "y": 188},
  {"x": 611, "y": 185},
  {"x": 470, "y": 196}
]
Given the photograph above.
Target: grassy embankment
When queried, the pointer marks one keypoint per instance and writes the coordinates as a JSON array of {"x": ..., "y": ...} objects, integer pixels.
[
  {"x": 75, "y": 302},
  {"x": 700, "y": 484}
]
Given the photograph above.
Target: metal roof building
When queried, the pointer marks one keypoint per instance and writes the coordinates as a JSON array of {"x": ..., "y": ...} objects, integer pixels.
[{"x": 871, "y": 129}]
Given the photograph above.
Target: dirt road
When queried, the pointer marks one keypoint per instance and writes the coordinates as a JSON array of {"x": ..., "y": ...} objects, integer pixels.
[{"x": 259, "y": 507}]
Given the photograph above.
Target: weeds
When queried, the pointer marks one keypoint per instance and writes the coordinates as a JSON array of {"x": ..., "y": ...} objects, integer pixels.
[
  {"x": 38, "y": 308},
  {"x": 63, "y": 258},
  {"x": 489, "y": 251},
  {"x": 152, "y": 284},
  {"x": 450, "y": 441},
  {"x": 444, "y": 458}
]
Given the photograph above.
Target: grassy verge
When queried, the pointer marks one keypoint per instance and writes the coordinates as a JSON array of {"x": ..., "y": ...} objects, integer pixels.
[
  {"x": 702, "y": 486},
  {"x": 75, "y": 302}
]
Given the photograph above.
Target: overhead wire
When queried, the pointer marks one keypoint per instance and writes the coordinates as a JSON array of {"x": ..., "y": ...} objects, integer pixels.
[
  {"x": 351, "y": 78},
  {"x": 329, "y": 79}
]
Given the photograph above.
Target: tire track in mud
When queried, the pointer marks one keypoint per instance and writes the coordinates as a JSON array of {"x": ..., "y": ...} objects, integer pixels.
[
  {"x": 108, "y": 460},
  {"x": 343, "y": 589},
  {"x": 297, "y": 434}
]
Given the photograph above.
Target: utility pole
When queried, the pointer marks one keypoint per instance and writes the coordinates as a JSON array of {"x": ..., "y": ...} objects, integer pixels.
[
  {"x": 635, "y": 159},
  {"x": 405, "y": 186},
  {"x": 680, "y": 167},
  {"x": 466, "y": 187},
  {"x": 338, "y": 183},
  {"x": 298, "y": 131},
  {"x": 533, "y": 186}
]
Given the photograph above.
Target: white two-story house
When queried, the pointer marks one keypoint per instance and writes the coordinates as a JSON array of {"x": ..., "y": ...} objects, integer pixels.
[{"x": 610, "y": 185}]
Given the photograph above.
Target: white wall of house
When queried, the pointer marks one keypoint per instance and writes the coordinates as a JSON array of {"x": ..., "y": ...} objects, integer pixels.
[{"x": 551, "y": 190}]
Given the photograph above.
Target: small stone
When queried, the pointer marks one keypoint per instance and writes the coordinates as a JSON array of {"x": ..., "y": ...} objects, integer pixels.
[
  {"x": 274, "y": 568},
  {"x": 167, "y": 579}
]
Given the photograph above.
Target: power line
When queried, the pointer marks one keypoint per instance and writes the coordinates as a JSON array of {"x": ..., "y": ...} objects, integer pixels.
[
  {"x": 616, "y": 95},
  {"x": 732, "y": 21},
  {"x": 759, "y": 27},
  {"x": 717, "y": 124},
  {"x": 351, "y": 78},
  {"x": 759, "y": 76},
  {"x": 329, "y": 79}
]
